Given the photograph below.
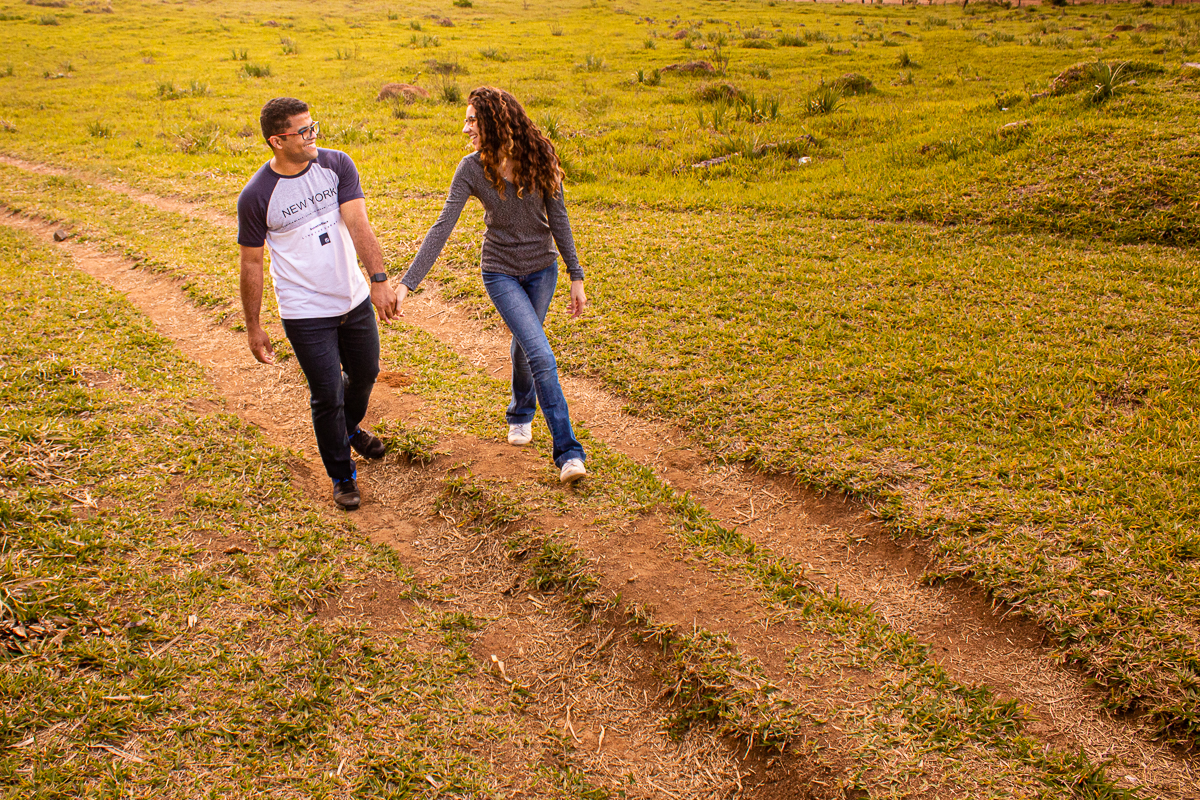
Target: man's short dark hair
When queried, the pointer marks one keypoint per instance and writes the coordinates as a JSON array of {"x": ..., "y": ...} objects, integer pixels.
[{"x": 276, "y": 113}]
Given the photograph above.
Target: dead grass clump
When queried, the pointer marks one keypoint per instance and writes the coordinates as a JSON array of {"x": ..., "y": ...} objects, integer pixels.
[
  {"x": 852, "y": 83},
  {"x": 712, "y": 92},
  {"x": 691, "y": 68},
  {"x": 406, "y": 91}
]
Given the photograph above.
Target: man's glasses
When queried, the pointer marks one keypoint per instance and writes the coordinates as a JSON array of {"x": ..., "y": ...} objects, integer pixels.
[{"x": 307, "y": 132}]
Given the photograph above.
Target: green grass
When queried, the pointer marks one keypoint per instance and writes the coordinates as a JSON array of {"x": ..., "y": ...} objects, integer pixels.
[
  {"x": 149, "y": 656},
  {"x": 1017, "y": 386}
]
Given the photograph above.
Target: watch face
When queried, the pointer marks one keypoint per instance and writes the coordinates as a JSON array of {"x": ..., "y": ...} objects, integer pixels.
[{"x": 379, "y": 277}]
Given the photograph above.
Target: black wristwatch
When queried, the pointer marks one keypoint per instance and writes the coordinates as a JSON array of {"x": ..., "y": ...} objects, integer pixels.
[{"x": 379, "y": 277}]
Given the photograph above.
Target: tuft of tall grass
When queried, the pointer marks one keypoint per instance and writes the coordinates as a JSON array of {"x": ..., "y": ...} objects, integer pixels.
[
  {"x": 590, "y": 63},
  {"x": 450, "y": 92},
  {"x": 1105, "y": 79},
  {"x": 289, "y": 46},
  {"x": 824, "y": 99},
  {"x": 551, "y": 126},
  {"x": 257, "y": 70}
]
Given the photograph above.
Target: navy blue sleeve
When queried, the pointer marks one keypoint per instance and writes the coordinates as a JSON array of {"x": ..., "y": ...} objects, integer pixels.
[
  {"x": 252, "y": 208},
  {"x": 349, "y": 186}
]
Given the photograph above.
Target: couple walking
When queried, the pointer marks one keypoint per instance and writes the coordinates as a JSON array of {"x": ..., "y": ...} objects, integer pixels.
[{"x": 306, "y": 204}]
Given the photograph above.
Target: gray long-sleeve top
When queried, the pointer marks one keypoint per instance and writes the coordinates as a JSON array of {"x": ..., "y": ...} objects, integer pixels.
[{"x": 521, "y": 231}]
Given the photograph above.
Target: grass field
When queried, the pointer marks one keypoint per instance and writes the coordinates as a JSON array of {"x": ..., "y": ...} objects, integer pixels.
[{"x": 968, "y": 303}]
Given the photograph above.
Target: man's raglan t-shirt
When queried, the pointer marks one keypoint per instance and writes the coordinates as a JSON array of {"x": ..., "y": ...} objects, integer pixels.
[{"x": 298, "y": 217}]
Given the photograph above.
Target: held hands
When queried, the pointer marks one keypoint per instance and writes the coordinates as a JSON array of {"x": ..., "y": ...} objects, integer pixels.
[
  {"x": 578, "y": 299},
  {"x": 386, "y": 303},
  {"x": 260, "y": 345}
]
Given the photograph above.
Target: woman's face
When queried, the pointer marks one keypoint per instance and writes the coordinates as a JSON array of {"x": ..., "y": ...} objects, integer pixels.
[{"x": 471, "y": 127}]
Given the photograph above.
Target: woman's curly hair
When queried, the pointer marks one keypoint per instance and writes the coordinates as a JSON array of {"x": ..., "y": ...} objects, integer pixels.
[{"x": 506, "y": 131}]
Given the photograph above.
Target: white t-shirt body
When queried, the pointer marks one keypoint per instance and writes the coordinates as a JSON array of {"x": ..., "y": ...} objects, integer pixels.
[{"x": 298, "y": 217}]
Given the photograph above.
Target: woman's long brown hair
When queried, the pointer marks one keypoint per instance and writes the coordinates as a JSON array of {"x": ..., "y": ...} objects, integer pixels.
[{"x": 506, "y": 131}]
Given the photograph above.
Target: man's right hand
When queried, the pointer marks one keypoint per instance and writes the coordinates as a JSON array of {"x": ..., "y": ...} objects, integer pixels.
[{"x": 260, "y": 345}]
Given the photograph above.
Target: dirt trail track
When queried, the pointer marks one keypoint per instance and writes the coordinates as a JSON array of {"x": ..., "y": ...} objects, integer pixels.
[{"x": 838, "y": 542}]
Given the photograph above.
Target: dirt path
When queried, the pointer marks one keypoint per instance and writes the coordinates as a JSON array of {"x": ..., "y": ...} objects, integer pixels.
[{"x": 835, "y": 540}]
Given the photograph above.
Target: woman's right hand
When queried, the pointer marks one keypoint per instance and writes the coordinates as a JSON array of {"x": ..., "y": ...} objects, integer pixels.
[{"x": 401, "y": 293}]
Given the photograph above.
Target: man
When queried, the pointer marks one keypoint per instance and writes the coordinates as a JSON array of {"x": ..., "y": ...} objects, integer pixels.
[{"x": 306, "y": 204}]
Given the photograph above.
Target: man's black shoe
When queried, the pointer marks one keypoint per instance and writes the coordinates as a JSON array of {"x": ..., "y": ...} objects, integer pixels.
[
  {"x": 367, "y": 445},
  {"x": 345, "y": 494}
]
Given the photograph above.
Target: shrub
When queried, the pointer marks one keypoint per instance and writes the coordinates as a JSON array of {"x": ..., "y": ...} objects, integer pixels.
[
  {"x": 463, "y": 3},
  {"x": 904, "y": 60},
  {"x": 788, "y": 40},
  {"x": 757, "y": 44},
  {"x": 99, "y": 130},
  {"x": 649, "y": 43},
  {"x": 492, "y": 54},
  {"x": 48, "y": 20}
]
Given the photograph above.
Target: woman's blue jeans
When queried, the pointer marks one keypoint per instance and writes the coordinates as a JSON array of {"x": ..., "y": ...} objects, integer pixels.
[
  {"x": 523, "y": 302},
  {"x": 340, "y": 359}
]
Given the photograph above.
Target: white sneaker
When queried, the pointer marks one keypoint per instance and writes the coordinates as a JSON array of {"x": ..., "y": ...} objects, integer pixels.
[
  {"x": 572, "y": 471},
  {"x": 520, "y": 434}
]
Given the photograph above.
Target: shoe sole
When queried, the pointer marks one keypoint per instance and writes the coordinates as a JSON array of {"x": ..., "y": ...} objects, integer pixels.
[
  {"x": 519, "y": 442},
  {"x": 573, "y": 478},
  {"x": 348, "y": 505}
]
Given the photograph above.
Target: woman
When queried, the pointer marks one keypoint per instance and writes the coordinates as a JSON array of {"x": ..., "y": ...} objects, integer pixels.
[{"x": 516, "y": 176}]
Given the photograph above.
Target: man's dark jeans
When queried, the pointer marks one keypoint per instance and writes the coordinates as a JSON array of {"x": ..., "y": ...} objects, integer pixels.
[{"x": 326, "y": 348}]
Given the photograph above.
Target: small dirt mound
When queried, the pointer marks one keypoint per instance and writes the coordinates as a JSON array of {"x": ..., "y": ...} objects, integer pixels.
[
  {"x": 406, "y": 91},
  {"x": 1122, "y": 28},
  {"x": 691, "y": 68}
]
